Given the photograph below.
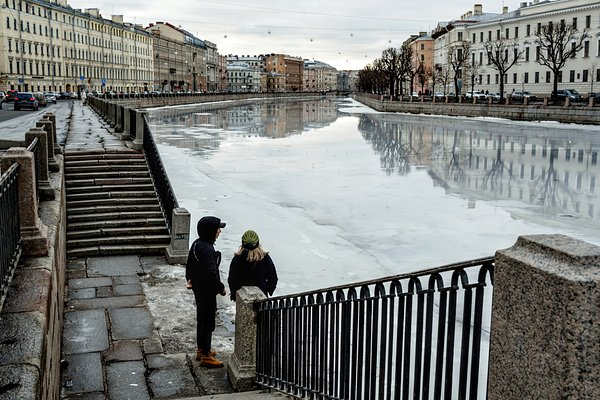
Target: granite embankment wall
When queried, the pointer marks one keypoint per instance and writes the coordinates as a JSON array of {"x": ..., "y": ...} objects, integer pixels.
[{"x": 539, "y": 111}]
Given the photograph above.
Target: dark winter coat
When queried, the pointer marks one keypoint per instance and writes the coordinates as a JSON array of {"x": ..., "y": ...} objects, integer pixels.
[
  {"x": 245, "y": 273},
  {"x": 203, "y": 261}
]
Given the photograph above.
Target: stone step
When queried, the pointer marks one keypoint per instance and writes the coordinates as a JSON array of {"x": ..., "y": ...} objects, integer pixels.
[
  {"x": 112, "y": 201},
  {"x": 114, "y": 223},
  {"x": 118, "y": 240},
  {"x": 70, "y": 183},
  {"x": 111, "y": 195},
  {"x": 113, "y": 216},
  {"x": 105, "y": 168},
  {"x": 108, "y": 188},
  {"x": 102, "y": 162},
  {"x": 84, "y": 175},
  {"x": 120, "y": 208},
  {"x": 143, "y": 249},
  {"x": 96, "y": 155},
  {"x": 118, "y": 232}
]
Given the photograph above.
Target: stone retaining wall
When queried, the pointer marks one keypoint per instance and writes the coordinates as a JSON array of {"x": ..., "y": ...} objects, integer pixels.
[
  {"x": 578, "y": 114},
  {"x": 32, "y": 315}
]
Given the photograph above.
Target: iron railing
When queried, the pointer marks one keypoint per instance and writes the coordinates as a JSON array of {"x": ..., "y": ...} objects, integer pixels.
[
  {"x": 423, "y": 335},
  {"x": 162, "y": 185},
  {"x": 10, "y": 231}
]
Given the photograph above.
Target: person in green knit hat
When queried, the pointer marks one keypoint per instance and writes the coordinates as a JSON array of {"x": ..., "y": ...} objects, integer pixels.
[{"x": 252, "y": 266}]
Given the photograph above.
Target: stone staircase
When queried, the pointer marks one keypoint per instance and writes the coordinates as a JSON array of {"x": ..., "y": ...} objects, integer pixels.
[{"x": 112, "y": 206}]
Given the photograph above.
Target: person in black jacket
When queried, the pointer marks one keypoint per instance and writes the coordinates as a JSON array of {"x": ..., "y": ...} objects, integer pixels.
[
  {"x": 252, "y": 266},
  {"x": 202, "y": 275}
]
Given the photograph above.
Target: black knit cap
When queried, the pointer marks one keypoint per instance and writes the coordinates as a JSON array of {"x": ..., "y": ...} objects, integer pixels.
[{"x": 207, "y": 228}]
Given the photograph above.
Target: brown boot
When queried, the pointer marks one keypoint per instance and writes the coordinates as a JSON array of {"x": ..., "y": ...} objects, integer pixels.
[
  {"x": 210, "y": 361},
  {"x": 199, "y": 353}
]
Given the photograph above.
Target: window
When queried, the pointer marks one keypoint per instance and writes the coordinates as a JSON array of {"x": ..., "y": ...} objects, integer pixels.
[
  {"x": 547, "y": 76},
  {"x": 559, "y": 76},
  {"x": 481, "y": 37},
  {"x": 526, "y": 77},
  {"x": 573, "y": 53},
  {"x": 584, "y": 76},
  {"x": 586, "y": 48},
  {"x": 498, "y": 34},
  {"x": 460, "y": 36},
  {"x": 528, "y": 30},
  {"x": 588, "y": 21},
  {"x": 507, "y": 33},
  {"x": 480, "y": 58},
  {"x": 516, "y": 31},
  {"x": 539, "y": 27},
  {"x": 488, "y": 79},
  {"x": 575, "y": 23},
  {"x": 489, "y": 36},
  {"x": 536, "y": 77},
  {"x": 514, "y": 78},
  {"x": 496, "y": 80},
  {"x": 598, "y": 75},
  {"x": 526, "y": 54},
  {"x": 537, "y": 53},
  {"x": 474, "y": 38},
  {"x": 571, "y": 76}
]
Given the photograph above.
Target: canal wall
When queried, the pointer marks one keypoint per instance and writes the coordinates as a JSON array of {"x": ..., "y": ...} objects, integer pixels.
[{"x": 576, "y": 114}]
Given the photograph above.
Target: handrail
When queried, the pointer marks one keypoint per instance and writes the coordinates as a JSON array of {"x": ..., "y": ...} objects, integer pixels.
[
  {"x": 166, "y": 194},
  {"x": 416, "y": 335},
  {"x": 10, "y": 230}
]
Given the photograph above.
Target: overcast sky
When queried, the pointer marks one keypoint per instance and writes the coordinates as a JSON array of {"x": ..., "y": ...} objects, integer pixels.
[{"x": 347, "y": 34}]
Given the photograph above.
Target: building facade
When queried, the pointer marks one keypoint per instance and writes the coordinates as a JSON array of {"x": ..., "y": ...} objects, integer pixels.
[
  {"x": 581, "y": 72},
  {"x": 319, "y": 77},
  {"x": 242, "y": 78},
  {"x": 49, "y": 46}
]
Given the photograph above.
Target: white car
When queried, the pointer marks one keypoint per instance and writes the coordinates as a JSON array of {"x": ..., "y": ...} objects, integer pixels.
[{"x": 475, "y": 94}]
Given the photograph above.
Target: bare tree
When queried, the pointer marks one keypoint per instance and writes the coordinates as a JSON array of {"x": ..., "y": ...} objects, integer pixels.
[
  {"x": 592, "y": 76},
  {"x": 503, "y": 55},
  {"x": 442, "y": 76},
  {"x": 390, "y": 59},
  {"x": 406, "y": 67},
  {"x": 474, "y": 69},
  {"x": 557, "y": 43},
  {"x": 424, "y": 73},
  {"x": 458, "y": 58}
]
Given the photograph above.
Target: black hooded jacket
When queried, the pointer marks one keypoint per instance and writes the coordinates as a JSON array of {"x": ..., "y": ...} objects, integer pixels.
[
  {"x": 245, "y": 273},
  {"x": 203, "y": 261}
]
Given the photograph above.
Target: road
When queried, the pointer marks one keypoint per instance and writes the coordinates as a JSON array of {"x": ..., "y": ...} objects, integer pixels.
[{"x": 14, "y": 124}]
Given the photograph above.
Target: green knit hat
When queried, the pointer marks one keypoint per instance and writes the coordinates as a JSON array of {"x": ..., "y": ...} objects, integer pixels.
[{"x": 250, "y": 240}]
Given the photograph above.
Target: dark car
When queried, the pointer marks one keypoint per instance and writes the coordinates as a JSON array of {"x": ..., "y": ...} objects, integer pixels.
[
  {"x": 10, "y": 96},
  {"x": 521, "y": 96},
  {"x": 572, "y": 94},
  {"x": 26, "y": 100}
]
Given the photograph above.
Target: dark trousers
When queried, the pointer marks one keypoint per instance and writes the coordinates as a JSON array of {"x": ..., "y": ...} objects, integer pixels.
[{"x": 206, "y": 308}]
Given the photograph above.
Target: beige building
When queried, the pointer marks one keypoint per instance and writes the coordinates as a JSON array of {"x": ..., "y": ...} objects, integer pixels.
[
  {"x": 319, "y": 77},
  {"x": 290, "y": 67},
  {"x": 48, "y": 46},
  {"x": 182, "y": 61},
  {"x": 422, "y": 62}
]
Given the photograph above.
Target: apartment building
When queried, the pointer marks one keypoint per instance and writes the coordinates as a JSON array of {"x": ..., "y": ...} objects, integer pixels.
[
  {"x": 183, "y": 62},
  {"x": 49, "y": 46},
  {"x": 476, "y": 27},
  {"x": 319, "y": 77},
  {"x": 422, "y": 62},
  {"x": 242, "y": 77}
]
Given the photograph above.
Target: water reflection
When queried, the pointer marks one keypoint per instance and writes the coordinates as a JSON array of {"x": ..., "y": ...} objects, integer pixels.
[
  {"x": 554, "y": 169},
  {"x": 203, "y": 127}
]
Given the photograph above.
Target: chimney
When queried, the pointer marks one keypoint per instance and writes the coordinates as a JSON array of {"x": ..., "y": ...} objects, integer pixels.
[
  {"x": 117, "y": 18},
  {"x": 505, "y": 10},
  {"x": 478, "y": 9},
  {"x": 523, "y": 4}
]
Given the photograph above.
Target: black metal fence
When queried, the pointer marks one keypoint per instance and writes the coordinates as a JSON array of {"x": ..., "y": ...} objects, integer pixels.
[
  {"x": 10, "y": 231},
  {"x": 162, "y": 185},
  {"x": 423, "y": 335}
]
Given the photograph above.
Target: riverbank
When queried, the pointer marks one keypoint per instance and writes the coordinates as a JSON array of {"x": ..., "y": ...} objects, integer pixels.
[{"x": 576, "y": 114}]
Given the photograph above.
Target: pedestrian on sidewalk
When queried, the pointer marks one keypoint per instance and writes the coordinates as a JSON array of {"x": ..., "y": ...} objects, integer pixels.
[
  {"x": 252, "y": 266},
  {"x": 202, "y": 275}
]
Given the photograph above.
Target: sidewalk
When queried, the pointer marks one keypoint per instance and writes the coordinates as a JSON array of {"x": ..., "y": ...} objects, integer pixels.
[{"x": 129, "y": 326}]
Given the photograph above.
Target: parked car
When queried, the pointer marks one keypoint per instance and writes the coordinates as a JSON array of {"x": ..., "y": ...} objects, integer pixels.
[
  {"x": 521, "y": 96},
  {"x": 50, "y": 97},
  {"x": 26, "y": 100},
  {"x": 40, "y": 98},
  {"x": 494, "y": 96},
  {"x": 572, "y": 94},
  {"x": 439, "y": 96},
  {"x": 2, "y": 96},
  {"x": 10, "y": 96},
  {"x": 475, "y": 94}
]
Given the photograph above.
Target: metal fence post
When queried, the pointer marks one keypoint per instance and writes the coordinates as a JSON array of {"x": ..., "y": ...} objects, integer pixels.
[{"x": 241, "y": 367}]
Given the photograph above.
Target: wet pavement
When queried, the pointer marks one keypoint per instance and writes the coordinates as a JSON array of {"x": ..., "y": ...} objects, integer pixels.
[{"x": 129, "y": 324}]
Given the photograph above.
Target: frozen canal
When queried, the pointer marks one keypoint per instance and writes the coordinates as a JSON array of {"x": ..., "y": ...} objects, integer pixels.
[{"x": 339, "y": 193}]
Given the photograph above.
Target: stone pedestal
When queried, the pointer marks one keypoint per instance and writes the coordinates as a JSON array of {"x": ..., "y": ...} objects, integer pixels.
[
  {"x": 47, "y": 125},
  {"x": 126, "y": 134},
  {"x": 43, "y": 181},
  {"x": 138, "y": 142},
  {"x": 241, "y": 367},
  {"x": 177, "y": 251},
  {"x": 33, "y": 231},
  {"x": 54, "y": 142},
  {"x": 545, "y": 332}
]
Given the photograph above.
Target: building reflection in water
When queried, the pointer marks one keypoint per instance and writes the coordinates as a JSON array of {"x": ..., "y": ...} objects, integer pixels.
[
  {"x": 203, "y": 127},
  {"x": 553, "y": 169}
]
